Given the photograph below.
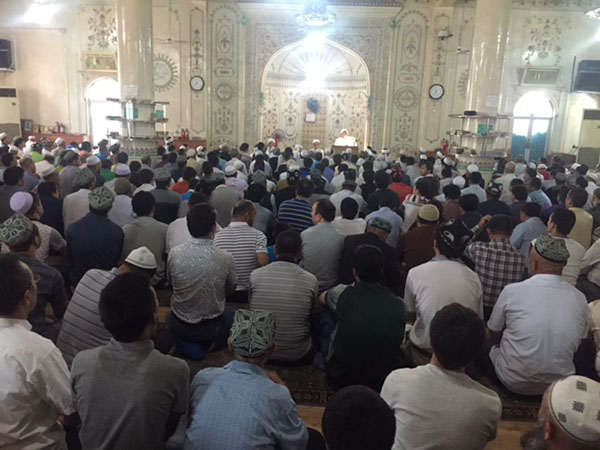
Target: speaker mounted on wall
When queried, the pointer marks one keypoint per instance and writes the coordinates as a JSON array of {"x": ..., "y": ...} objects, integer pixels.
[{"x": 6, "y": 55}]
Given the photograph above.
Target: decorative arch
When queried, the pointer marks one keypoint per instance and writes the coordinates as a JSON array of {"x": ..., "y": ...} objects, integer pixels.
[{"x": 312, "y": 88}]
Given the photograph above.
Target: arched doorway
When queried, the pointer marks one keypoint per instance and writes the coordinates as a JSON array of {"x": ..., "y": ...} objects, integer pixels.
[
  {"x": 313, "y": 88},
  {"x": 98, "y": 108},
  {"x": 533, "y": 116}
]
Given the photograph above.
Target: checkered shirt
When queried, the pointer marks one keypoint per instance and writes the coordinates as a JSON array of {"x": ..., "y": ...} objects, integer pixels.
[{"x": 497, "y": 263}]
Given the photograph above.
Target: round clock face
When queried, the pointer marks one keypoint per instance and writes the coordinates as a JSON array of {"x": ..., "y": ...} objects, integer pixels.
[
  {"x": 436, "y": 91},
  {"x": 197, "y": 83}
]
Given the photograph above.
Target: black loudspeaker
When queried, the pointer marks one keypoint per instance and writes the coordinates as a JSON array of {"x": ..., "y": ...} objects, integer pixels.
[
  {"x": 587, "y": 78},
  {"x": 6, "y": 56}
]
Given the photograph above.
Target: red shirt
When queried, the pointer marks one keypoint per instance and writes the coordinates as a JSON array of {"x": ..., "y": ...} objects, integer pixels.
[
  {"x": 401, "y": 189},
  {"x": 181, "y": 188}
]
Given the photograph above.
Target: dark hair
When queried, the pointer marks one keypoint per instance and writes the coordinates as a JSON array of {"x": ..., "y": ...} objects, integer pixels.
[
  {"x": 318, "y": 156},
  {"x": 122, "y": 158},
  {"x": 172, "y": 157},
  {"x": 564, "y": 219},
  {"x": 106, "y": 163},
  {"x": 127, "y": 305},
  {"x": 308, "y": 163},
  {"x": 288, "y": 244},
  {"x": 368, "y": 176},
  {"x": 536, "y": 183},
  {"x": 207, "y": 168},
  {"x": 516, "y": 182},
  {"x": 134, "y": 166},
  {"x": 244, "y": 146},
  {"x": 326, "y": 209},
  {"x": 213, "y": 158},
  {"x": 160, "y": 151},
  {"x": 14, "y": 283},
  {"x": 501, "y": 224},
  {"x": 6, "y": 159},
  {"x": 427, "y": 163},
  {"x": 142, "y": 203},
  {"x": 428, "y": 187},
  {"x": 46, "y": 188},
  {"x": 188, "y": 173},
  {"x": 242, "y": 208},
  {"x": 457, "y": 336},
  {"x": 304, "y": 187},
  {"x": 531, "y": 209},
  {"x": 561, "y": 195},
  {"x": 349, "y": 208},
  {"x": 469, "y": 202},
  {"x": 410, "y": 160},
  {"x": 201, "y": 219},
  {"x": 451, "y": 191},
  {"x": 531, "y": 172},
  {"x": 342, "y": 167},
  {"x": 582, "y": 169},
  {"x": 520, "y": 192},
  {"x": 382, "y": 179},
  {"x": 389, "y": 199},
  {"x": 447, "y": 172},
  {"x": 195, "y": 198},
  {"x": 356, "y": 418},
  {"x": 146, "y": 176},
  {"x": 367, "y": 260},
  {"x": 475, "y": 178},
  {"x": 581, "y": 182},
  {"x": 578, "y": 196},
  {"x": 12, "y": 175},
  {"x": 256, "y": 192}
]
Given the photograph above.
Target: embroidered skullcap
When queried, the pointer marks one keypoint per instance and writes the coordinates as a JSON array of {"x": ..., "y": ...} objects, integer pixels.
[
  {"x": 472, "y": 168},
  {"x": 92, "y": 161},
  {"x": 259, "y": 177},
  {"x": 122, "y": 186},
  {"x": 459, "y": 181},
  {"x": 382, "y": 224},
  {"x": 101, "y": 198},
  {"x": 429, "y": 213},
  {"x": 230, "y": 170},
  {"x": 574, "y": 404},
  {"x": 141, "y": 257},
  {"x": 449, "y": 161},
  {"x": 191, "y": 153},
  {"x": 21, "y": 202},
  {"x": 455, "y": 235},
  {"x": 252, "y": 332},
  {"x": 554, "y": 250},
  {"x": 83, "y": 178},
  {"x": 304, "y": 154},
  {"x": 46, "y": 169},
  {"x": 163, "y": 174},
  {"x": 16, "y": 230},
  {"x": 559, "y": 176},
  {"x": 181, "y": 159},
  {"x": 122, "y": 170},
  {"x": 317, "y": 178},
  {"x": 494, "y": 188}
]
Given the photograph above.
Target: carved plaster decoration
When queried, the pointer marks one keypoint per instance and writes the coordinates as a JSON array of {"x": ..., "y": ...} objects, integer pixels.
[
  {"x": 165, "y": 72},
  {"x": 545, "y": 37},
  {"x": 463, "y": 82},
  {"x": 406, "y": 98},
  {"x": 388, "y": 3},
  {"x": 577, "y": 4},
  {"x": 197, "y": 65},
  {"x": 103, "y": 29}
]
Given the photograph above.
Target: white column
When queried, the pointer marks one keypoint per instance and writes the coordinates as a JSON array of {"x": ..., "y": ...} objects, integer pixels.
[
  {"x": 487, "y": 57},
  {"x": 136, "y": 72}
]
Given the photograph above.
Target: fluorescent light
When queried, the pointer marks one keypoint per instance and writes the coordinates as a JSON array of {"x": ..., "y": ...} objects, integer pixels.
[{"x": 40, "y": 13}]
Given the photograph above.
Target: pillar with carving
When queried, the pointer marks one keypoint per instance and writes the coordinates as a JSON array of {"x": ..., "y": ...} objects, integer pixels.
[
  {"x": 136, "y": 75},
  {"x": 487, "y": 58}
]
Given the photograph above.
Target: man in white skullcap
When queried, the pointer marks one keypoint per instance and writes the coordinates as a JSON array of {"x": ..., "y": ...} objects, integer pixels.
[
  {"x": 30, "y": 141},
  {"x": 569, "y": 418},
  {"x": 61, "y": 147},
  {"x": 94, "y": 164},
  {"x": 316, "y": 144}
]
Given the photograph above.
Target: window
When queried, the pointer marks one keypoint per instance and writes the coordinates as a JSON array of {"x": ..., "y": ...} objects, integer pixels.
[
  {"x": 98, "y": 108},
  {"x": 533, "y": 115}
]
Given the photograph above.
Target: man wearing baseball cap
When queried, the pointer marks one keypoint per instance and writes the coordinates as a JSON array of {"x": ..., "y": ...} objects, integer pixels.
[{"x": 83, "y": 307}]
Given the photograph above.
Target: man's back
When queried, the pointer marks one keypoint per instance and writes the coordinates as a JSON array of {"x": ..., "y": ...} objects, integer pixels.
[
  {"x": 416, "y": 246},
  {"x": 466, "y": 419},
  {"x": 6, "y": 192},
  {"x": 494, "y": 207},
  {"x": 322, "y": 248},
  {"x": 297, "y": 212},
  {"x": 223, "y": 199},
  {"x": 238, "y": 407},
  {"x": 167, "y": 205},
  {"x": 435, "y": 284},
  {"x": 146, "y": 232},
  {"x": 582, "y": 231},
  {"x": 544, "y": 319},
  {"x": 75, "y": 207},
  {"x": 289, "y": 292},
  {"x": 83, "y": 309},
  {"x": 125, "y": 393},
  {"x": 526, "y": 232}
]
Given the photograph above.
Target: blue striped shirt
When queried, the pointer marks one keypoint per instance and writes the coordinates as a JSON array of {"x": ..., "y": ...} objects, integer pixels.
[{"x": 296, "y": 212}]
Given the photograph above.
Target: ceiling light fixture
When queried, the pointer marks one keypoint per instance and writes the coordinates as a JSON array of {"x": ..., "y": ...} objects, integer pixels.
[
  {"x": 593, "y": 13},
  {"x": 315, "y": 15}
]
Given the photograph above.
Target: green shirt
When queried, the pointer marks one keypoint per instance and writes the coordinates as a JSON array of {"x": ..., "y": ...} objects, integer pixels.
[
  {"x": 367, "y": 342},
  {"x": 107, "y": 175},
  {"x": 37, "y": 157}
]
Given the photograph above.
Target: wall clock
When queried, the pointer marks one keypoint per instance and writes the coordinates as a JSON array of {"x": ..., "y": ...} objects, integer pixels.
[
  {"x": 436, "y": 91},
  {"x": 197, "y": 83}
]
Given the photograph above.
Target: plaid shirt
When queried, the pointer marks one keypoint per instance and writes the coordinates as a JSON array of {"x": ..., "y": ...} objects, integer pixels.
[{"x": 497, "y": 263}]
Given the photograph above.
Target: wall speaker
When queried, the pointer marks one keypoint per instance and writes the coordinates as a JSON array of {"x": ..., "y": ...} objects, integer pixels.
[
  {"x": 6, "y": 55},
  {"x": 587, "y": 78}
]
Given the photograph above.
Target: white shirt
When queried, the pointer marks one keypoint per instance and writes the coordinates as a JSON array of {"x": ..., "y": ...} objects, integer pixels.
[
  {"x": 146, "y": 187},
  {"x": 121, "y": 212},
  {"x": 590, "y": 263},
  {"x": 477, "y": 190},
  {"x": 544, "y": 320},
  {"x": 349, "y": 227},
  {"x": 576, "y": 251},
  {"x": 338, "y": 197},
  {"x": 435, "y": 284},
  {"x": 467, "y": 418},
  {"x": 505, "y": 179},
  {"x": 34, "y": 389},
  {"x": 178, "y": 233},
  {"x": 75, "y": 207}
]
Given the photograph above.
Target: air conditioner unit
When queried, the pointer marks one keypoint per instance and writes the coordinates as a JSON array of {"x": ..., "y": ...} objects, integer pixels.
[
  {"x": 10, "y": 116},
  {"x": 587, "y": 78}
]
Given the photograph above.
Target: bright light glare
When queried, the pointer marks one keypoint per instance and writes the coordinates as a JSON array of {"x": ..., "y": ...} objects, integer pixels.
[
  {"x": 314, "y": 40},
  {"x": 40, "y": 13},
  {"x": 534, "y": 104}
]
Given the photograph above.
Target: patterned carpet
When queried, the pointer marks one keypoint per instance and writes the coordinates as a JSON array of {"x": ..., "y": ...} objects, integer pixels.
[{"x": 308, "y": 386}]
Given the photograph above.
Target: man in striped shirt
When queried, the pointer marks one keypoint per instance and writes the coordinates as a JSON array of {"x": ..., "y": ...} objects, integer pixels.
[
  {"x": 82, "y": 327},
  {"x": 298, "y": 211},
  {"x": 247, "y": 245},
  {"x": 290, "y": 293}
]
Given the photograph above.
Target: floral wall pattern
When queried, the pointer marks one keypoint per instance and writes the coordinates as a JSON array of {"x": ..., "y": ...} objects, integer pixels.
[{"x": 102, "y": 29}]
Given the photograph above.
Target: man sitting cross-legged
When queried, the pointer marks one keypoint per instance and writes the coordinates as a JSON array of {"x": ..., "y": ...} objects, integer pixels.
[
  {"x": 128, "y": 395},
  {"x": 438, "y": 405},
  {"x": 290, "y": 293},
  {"x": 244, "y": 406}
]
